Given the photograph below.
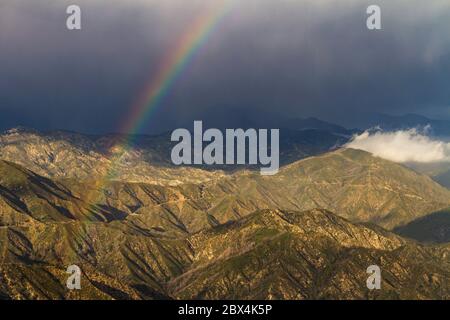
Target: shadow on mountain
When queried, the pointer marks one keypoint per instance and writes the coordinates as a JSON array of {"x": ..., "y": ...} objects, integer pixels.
[
  {"x": 13, "y": 200},
  {"x": 433, "y": 228}
]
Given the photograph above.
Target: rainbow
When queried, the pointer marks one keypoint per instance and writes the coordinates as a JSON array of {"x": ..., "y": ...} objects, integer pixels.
[{"x": 175, "y": 63}]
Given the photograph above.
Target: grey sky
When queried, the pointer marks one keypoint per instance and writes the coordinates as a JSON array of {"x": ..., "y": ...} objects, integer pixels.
[{"x": 292, "y": 57}]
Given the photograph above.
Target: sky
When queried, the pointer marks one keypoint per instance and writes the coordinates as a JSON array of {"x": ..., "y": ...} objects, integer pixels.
[{"x": 289, "y": 58}]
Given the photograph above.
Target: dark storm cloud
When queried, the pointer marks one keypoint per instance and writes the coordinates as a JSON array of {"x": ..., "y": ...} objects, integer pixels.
[{"x": 294, "y": 58}]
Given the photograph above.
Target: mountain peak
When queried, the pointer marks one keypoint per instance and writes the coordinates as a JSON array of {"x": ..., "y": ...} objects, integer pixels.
[{"x": 20, "y": 130}]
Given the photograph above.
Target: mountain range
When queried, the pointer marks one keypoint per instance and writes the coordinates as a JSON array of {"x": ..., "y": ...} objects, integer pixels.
[{"x": 156, "y": 231}]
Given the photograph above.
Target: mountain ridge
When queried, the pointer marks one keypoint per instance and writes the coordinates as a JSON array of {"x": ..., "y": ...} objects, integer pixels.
[
  {"x": 67, "y": 155},
  {"x": 308, "y": 232},
  {"x": 288, "y": 255}
]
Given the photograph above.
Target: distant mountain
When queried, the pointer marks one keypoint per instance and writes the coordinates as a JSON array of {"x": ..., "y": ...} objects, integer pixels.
[
  {"x": 315, "y": 124},
  {"x": 440, "y": 128},
  {"x": 443, "y": 178},
  {"x": 433, "y": 228},
  {"x": 66, "y": 155},
  {"x": 256, "y": 118},
  {"x": 438, "y": 171}
]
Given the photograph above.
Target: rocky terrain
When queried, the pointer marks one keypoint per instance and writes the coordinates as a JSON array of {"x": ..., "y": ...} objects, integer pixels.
[
  {"x": 269, "y": 254},
  {"x": 68, "y": 155},
  {"x": 309, "y": 232}
]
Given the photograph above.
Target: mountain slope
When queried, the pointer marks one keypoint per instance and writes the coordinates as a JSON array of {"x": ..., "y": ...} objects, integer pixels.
[
  {"x": 363, "y": 187},
  {"x": 67, "y": 155},
  {"x": 358, "y": 186},
  {"x": 116, "y": 259},
  {"x": 270, "y": 254},
  {"x": 237, "y": 236},
  {"x": 26, "y": 197},
  {"x": 146, "y": 159},
  {"x": 433, "y": 228},
  {"x": 308, "y": 255}
]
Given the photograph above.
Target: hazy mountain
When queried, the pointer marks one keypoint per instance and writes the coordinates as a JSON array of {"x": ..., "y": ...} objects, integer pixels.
[
  {"x": 257, "y": 118},
  {"x": 438, "y": 171},
  {"x": 443, "y": 178},
  {"x": 315, "y": 124},
  {"x": 440, "y": 128},
  {"x": 433, "y": 228}
]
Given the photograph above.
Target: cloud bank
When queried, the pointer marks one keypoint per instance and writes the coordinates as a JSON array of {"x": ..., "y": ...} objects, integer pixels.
[{"x": 403, "y": 146}]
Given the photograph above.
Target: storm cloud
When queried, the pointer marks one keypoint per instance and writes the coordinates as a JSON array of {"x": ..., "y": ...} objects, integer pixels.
[{"x": 290, "y": 57}]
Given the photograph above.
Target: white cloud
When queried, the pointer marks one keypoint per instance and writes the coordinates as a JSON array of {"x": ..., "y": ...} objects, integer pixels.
[{"x": 402, "y": 146}]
